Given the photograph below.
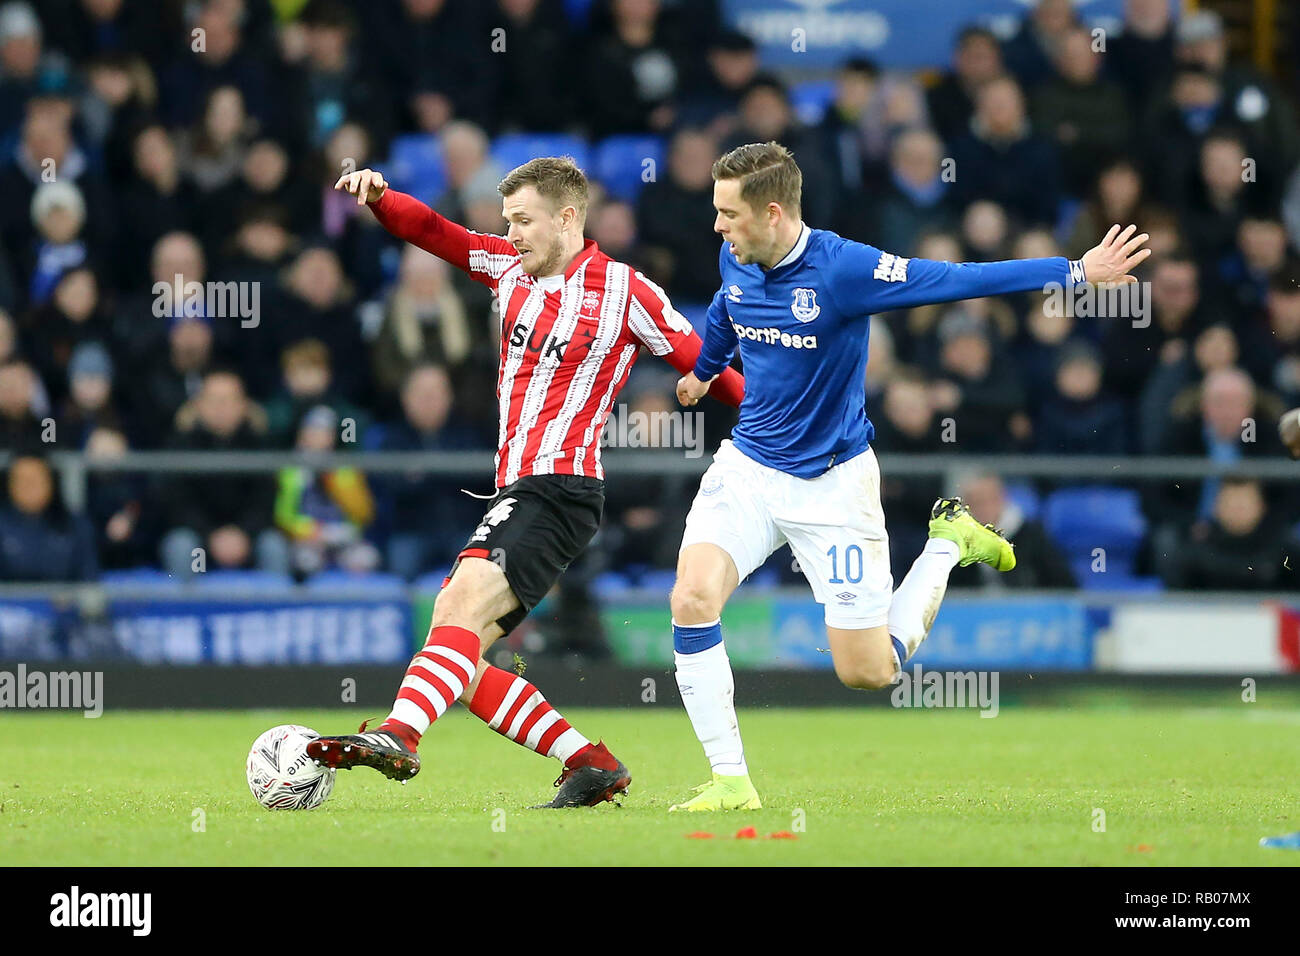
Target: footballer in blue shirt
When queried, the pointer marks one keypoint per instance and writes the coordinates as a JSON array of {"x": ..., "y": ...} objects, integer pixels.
[{"x": 799, "y": 467}]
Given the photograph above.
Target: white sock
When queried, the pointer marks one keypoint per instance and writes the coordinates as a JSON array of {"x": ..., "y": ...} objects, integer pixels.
[
  {"x": 917, "y": 600},
  {"x": 707, "y": 690}
]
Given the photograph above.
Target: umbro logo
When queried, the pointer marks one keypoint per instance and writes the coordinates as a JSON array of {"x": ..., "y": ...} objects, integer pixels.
[
  {"x": 734, "y": 292},
  {"x": 846, "y": 597}
]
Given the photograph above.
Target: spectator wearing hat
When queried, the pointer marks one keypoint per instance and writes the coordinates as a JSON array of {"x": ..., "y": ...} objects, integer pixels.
[
  {"x": 40, "y": 540},
  {"x": 324, "y": 513},
  {"x": 46, "y": 148},
  {"x": 1079, "y": 418},
  {"x": 89, "y": 403},
  {"x": 72, "y": 316},
  {"x": 59, "y": 215},
  {"x": 1250, "y": 100},
  {"x": 228, "y": 515},
  {"x": 21, "y": 55}
]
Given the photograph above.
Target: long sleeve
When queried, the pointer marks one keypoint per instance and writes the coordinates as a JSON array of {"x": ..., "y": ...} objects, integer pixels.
[
  {"x": 667, "y": 334},
  {"x": 871, "y": 281},
  {"x": 484, "y": 258},
  {"x": 720, "y": 340}
]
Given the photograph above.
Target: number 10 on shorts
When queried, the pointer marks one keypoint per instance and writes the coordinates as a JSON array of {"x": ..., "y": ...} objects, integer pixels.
[{"x": 852, "y": 564}]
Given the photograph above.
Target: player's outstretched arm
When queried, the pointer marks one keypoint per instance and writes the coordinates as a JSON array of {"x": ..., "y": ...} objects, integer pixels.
[
  {"x": 412, "y": 221},
  {"x": 894, "y": 282}
]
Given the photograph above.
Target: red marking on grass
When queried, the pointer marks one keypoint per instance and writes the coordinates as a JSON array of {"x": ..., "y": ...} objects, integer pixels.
[
  {"x": 699, "y": 835},
  {"x": 782, "y": 835},
  {"x": 748, "y": 833}
]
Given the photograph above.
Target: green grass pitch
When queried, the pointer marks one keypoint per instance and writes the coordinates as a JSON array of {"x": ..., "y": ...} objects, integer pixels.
[{"x": 1179, "y": 784}]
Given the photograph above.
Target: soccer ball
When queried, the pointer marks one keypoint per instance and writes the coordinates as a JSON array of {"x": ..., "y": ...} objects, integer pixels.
[{"x": 280, "y": 774}]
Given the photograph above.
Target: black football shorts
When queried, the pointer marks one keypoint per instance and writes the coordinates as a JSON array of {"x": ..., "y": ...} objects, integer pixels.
[{"x": 534, "y": 529}]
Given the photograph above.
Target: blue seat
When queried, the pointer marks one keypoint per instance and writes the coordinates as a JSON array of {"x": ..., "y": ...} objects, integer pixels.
[
  {"x": 372, "y": 584},
  {"x": 1022, "y": 495},
  {"x": 811, "y": 100},
  {"x": 619, "y": 163},
  {"x": 151, "y": 579},
  {"x": 696, "y": 313},
  {"x": 578, "y": 12},
  {"x": 415, "y": 165},
  {"x": 610, "y": 585},
  {"x": 515, "y": 149},
  {"x": 1083, "y": 519},
  {"x": 242, "y": 582},
  {"x": 658, "y": 580}
]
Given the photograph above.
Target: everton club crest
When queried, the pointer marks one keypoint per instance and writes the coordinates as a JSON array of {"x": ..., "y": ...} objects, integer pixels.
[{"x": 804, "y": 306}]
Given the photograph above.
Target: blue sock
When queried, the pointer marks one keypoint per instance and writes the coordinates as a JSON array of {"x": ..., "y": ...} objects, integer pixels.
[
  {"x": 901, "y": 650},
  {"x": 697, "y": 637}
]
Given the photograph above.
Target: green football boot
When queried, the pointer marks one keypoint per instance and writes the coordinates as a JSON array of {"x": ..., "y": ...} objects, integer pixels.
[
  {"x": 951, "y": 519},
  {"x": 722, "y": 793}
]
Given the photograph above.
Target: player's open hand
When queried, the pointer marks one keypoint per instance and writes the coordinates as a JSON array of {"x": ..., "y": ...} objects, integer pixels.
[
  {"x": 366, "y": 184},
  {"x": 1115, "y": 257},
  {"x": 690, "y": 389}
]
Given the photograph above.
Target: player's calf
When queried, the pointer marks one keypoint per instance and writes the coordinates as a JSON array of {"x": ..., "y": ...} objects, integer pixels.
[{"x": 864, "y": 659}]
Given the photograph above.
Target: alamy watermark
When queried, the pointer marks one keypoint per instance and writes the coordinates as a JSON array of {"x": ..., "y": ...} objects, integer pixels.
[
  {"x": 930, "y": 688},
  {"x": 211, "y": 300},
  {"x": 1088, "y": 300},
  {"x": 629, "y": 428},
  {"x": 58, "y": 690}
]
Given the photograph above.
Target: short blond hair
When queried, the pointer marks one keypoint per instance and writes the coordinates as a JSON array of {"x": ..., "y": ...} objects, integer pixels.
[
  {"x": 767, "y": 173},
  {"x": 556, "y": 178}
]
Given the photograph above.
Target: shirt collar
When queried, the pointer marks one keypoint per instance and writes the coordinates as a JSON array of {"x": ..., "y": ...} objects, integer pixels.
[
  {"x": 798, "y": 249},
  {"x": 553, "y": 283}
]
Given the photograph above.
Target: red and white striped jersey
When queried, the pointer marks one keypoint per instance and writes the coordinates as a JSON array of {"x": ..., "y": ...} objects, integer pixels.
[{"x": 568, "y": 341}]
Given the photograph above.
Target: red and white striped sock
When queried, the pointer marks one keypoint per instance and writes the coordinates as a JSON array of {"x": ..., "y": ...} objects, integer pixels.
[
  {"x": 516, "y": 709},
  {"x": 438, "y": 675}
]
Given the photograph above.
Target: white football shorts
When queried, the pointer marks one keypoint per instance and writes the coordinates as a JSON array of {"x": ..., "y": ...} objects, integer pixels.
[{"x": 834, "y": 523}]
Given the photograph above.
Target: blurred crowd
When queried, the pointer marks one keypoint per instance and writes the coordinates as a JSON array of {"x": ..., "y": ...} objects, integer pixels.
[{"x": 151, "y": 145}]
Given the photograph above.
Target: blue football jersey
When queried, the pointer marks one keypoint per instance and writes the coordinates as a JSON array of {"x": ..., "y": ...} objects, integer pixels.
[{"x": 802, "y": 329}]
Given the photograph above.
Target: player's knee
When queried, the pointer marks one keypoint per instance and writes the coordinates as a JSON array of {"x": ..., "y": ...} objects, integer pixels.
[
  {"x": 865, "y": 674},
  {"x": 695, "y": 602}
]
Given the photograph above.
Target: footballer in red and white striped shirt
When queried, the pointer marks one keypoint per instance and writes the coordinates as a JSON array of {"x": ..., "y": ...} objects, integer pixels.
[{"x": 573, "y": 321}]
